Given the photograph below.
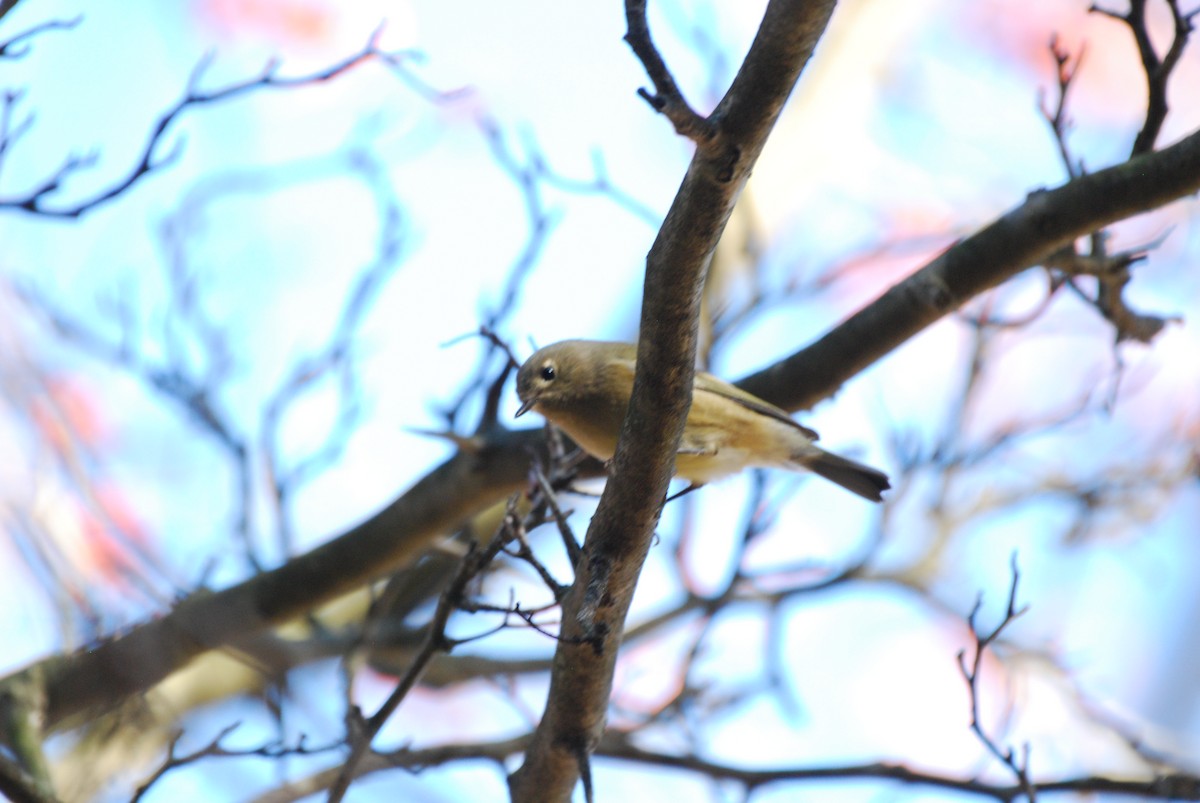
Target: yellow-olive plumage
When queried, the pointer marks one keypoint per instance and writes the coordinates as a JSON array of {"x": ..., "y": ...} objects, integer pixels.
[{"x": 584, "y": 386}]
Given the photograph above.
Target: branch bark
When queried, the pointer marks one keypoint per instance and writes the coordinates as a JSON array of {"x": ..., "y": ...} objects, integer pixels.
[
  {"x": 96, "y": 679},
  {"x": 621, "y": 531},
  {"x": 1021, "y": 239}
]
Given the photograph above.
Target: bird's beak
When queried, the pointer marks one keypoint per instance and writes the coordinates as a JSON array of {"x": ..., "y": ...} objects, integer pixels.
[{"x": 526, "y": 407}]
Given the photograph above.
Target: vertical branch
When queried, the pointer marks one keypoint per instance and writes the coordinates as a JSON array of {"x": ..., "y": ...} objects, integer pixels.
[
  {"x": 1018, "y": 766},
  {"x": 594, "y": 610},
  {"x": 1158, "y": 69}
]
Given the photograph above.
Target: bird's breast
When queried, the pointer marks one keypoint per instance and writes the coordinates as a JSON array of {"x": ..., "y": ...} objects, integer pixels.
[{"x": 595, "y": 431}]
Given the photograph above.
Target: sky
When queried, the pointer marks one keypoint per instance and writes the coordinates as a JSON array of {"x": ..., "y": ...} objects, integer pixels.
[{"x": 912, "y": 127}]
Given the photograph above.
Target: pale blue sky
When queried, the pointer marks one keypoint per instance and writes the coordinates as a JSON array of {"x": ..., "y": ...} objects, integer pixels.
[{"x": 916, "y": 136}]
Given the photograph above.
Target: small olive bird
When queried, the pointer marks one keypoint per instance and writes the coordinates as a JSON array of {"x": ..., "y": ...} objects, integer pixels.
[{"x": 583, "y": 386}]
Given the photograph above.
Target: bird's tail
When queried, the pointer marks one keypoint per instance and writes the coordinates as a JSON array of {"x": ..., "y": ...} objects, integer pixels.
[{"x": 867, "y": 482}]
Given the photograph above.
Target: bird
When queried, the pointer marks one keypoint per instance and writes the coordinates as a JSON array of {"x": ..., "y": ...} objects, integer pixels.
[{"x": 584, "y": 386}]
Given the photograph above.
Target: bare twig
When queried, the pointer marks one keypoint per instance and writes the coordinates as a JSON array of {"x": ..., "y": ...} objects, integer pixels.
[
  {"x": 20, "y": 45},
  {"x": 1157, "y": 68},
  {"x": 1018, "y": 767},
  {"x": 363, "y": 731},
  {"x": 1166, "y": 787},
  {"x": 214, "y": 749},
  {"x": 150, "y": 160},
  {"x": 484, "y": 376},
  {"x": 666, "y": 97},
  {"x": 570, "y": 542},
  {"x": 1058, "y": 120},
  {"x": 335, "y": 359},
  {"x": 525, "y": 553},
  {"x": 412, "y": 759},
  {"x": 1113, "y": 274},
  {"x": 490, "y": 416},
  {"x": 1112, "y": 271}
]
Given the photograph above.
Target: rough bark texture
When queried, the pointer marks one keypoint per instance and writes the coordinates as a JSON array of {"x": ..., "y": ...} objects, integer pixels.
[{"x": 620, "y": 534}]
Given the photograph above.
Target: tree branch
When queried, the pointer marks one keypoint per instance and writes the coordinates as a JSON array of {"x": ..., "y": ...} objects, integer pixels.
[
  {"x": 95, "y": 679},
  {"x": 1025, "y": 237},
  {"x": 666, "y": 98},
  {"x": 1157, "y": 69},
  {"x": 620, "y": 533},
  {"x": 18, "y": 46},
  {"x": 150, "y": 161},
  {"x": 1164, "y": 787}
]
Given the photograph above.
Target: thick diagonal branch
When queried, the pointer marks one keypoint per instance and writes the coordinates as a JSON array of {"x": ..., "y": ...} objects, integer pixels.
[{"x": 1021, "y": 239}]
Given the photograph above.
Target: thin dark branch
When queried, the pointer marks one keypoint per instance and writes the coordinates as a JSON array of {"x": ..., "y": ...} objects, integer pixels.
[
  {"x": 1157, "y": 68},
  {"x": 172, "y": 760},
  {"x": 1161, "y": 787},
  {"x": 150, "y": 160},
  {"x": 513, "y": 609},
  {"x": 20, "y": 45},
  {"x": 666, "y": 98},
  {"x": 412, "y": 759},
  {"x": 484, "y": 376},
  {"x": 195, "y": 392},
  {"x": 1113, "y": 274},
  {"x": 362, "y": 732},
  {"x": 1018, "y": 766},
  {"x": 335, "y": 359},
  {"x": 525, "y": 553},
  {"x": 1169, "y": 787},
  {"x": 490, "y": 417},
  {"x": 214, "y": 749},
  {"x": 1060, "y": 124},
  {"x": 570, "y": 542}
]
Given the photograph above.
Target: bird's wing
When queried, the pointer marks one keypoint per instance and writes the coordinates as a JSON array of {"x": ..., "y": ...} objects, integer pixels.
[{"x": 707, "y": 383}]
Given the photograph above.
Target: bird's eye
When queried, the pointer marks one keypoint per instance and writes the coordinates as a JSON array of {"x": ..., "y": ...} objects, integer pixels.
[{"x": 548, "y": 372}]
